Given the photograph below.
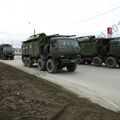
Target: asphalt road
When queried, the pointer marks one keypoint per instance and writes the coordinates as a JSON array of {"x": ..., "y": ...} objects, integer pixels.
[{"x": 100, "y": 84}]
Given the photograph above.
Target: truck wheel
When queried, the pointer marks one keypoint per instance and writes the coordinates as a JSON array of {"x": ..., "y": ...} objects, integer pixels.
[
  {"x": 41, "y": 64},
  {"x": 51, "y": 66},
  {"x": 111, "y": 62},
  {"x": 29, "y": 62},
  {"x": 24, "y": 61},
  {"x": 71, "y": 67},
  {"x": 97, "y": 61}
]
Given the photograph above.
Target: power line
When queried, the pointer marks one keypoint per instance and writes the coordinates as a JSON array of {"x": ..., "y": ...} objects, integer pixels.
[
  {"x": 88, "y": 19},
  {"x": 13, "y": 34}
]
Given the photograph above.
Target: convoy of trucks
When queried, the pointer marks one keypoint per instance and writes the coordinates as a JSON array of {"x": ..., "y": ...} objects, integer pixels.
[
  {"x": 99, "y": 50},
  {"x": 6, "y": 52},
  {"x": 54, "y": 52},
  {"x": 51, "y": 52}
]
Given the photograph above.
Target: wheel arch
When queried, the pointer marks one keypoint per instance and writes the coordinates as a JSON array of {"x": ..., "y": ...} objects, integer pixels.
[
  {"x": 110, "y": 55},
  {"x": 50, "y": 57}
]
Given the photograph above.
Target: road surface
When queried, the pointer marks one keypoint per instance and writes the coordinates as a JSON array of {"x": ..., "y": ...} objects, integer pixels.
[{"x": 100, "y": 84}]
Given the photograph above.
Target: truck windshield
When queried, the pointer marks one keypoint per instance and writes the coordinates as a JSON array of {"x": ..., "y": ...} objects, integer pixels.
[
  {"x": 67, "y": 43},
  {"x": 8, "y": 49}
]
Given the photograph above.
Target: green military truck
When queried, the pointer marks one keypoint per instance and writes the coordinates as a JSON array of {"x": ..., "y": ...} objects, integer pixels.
[
  {"x": 6, "y": 52},
  {"x": 51, "y": 52},
  {"x": 99, "y": 50}
]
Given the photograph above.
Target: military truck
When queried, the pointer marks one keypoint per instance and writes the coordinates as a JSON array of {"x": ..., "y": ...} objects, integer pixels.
[
  {"x": 99, "y": 50},
  {"x": 6, "y": 52},
  {"x": 51, "y": 52}
]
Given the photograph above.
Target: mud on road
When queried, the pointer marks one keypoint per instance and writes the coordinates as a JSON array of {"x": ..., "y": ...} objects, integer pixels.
[{"x": 26, "y": 97}]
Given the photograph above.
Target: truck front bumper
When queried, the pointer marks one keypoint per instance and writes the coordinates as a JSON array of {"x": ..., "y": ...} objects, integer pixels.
[{"x": 69, "y": 60}]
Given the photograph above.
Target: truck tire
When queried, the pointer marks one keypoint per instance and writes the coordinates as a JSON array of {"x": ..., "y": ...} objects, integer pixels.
[
  {"x": 24, "y": 59},
  {"x": 97, "y": 61},
  {"x": 29, "y": 62},
  {"x": 41, "y": 64},
  {"x": 111, "y": 62},
  {"x": 71, "y": 67},
  {"x": 51, "y": 66}
]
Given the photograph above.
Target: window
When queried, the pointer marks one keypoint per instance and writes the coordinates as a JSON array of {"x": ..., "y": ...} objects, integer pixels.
[{"x": 67, "y": 43}]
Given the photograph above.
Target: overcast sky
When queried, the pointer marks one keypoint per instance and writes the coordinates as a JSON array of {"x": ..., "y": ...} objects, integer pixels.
[{"x": 56, "y": 16}]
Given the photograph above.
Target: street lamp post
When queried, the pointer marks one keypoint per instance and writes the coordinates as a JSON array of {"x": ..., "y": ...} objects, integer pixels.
[{"x": 33, "y": 27}]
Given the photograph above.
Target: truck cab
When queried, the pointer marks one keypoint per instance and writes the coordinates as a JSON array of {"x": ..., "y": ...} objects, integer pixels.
[
  {"x": 113, "y": 56},
  {"x": 64, "y": 47}
]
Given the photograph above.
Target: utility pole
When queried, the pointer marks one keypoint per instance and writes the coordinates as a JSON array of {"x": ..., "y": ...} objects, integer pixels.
[{"x": 32, "y": 27}]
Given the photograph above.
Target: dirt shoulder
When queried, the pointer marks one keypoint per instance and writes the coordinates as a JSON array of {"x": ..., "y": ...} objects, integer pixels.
[{"x": 26, "y": 97}]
